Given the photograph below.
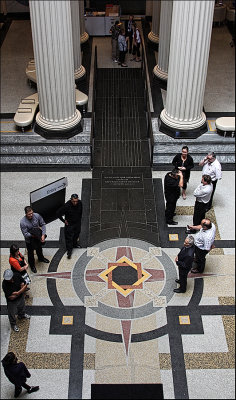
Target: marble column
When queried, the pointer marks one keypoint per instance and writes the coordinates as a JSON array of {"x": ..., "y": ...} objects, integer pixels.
[
  {"x": 83, "y": 35},
  {"x": 161, "y": 69},
  {"x": 53, "y": 51},
  {"x": 156, "y": 10},
  {"x": 188, "y": 61},
  {"x": 75, "y": 22}
]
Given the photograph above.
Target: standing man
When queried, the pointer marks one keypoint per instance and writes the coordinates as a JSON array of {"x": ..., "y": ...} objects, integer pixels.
[
  {"x": 14, "y": 286},
  {"x": 136, "y": 43},
  {"x": 204, "y": 242},
  {"x": 172, "y": 183},
  {"x": 211, "y": 167},
  {"x": 115, "y": 31},
  {"x": 203, "y": 194},
  {"x": 33, "y": 228},
  {"x": 129, "y": 31},
  {"x": 72, "y": 210},
  {"x": 184, "y": 261},
  {"x": 17, "y": 373}
]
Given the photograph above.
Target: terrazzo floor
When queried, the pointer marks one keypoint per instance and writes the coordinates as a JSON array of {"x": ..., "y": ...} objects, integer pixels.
[{"x": 115, "y": 339}]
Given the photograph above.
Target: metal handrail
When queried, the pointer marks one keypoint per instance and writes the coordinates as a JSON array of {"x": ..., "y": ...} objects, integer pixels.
[
  {"x": 144, "y": 73},
  {"x": 93, "y": 107}
]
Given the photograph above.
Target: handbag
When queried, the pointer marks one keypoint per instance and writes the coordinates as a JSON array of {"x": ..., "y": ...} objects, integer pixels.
[{"x": 26, "y": 278}]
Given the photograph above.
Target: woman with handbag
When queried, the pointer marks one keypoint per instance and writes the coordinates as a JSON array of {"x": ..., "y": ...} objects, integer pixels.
[{"x": 18, "y": 263}]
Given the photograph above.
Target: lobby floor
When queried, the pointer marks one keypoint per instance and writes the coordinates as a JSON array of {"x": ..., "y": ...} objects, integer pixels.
[{"x": 92, "y": 325}]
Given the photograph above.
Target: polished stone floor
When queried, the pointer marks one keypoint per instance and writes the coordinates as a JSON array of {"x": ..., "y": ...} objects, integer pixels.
[{"x": 109, "y": 314}]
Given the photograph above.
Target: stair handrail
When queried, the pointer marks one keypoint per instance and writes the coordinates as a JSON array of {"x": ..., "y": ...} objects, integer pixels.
[
  {"x": 95, "y": 66},
  {"x": 148, "y": 100}
]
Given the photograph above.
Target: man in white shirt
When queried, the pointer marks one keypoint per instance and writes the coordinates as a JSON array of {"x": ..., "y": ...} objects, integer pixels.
[
  {"x": 203, "y": 194},
  {"x": 203, "y": 241},
  {"x": 211, "y": 167}
]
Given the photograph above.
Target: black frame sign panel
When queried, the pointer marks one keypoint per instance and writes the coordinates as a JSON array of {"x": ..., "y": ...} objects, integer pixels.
[{"x": 47, "y": 199}]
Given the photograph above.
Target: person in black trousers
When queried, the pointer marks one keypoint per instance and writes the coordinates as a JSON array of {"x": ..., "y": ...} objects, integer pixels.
[
  {"x": 184, "y": 261},
  {"x": 203, "y": 194},
  {"x": 72, "y": 210},
  {"x": 172, "y": 183},
  {"x": 33, "y": 228},
  {"x": 184, "y": 162},
  {"x": 17, "y": 373},
  {"x": 129, "y": 31}
]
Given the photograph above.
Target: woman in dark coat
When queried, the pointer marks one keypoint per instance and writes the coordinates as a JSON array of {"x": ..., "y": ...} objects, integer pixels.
[
  {"x": 184, "y": 162},
  {"x": 17, "y": 373}
]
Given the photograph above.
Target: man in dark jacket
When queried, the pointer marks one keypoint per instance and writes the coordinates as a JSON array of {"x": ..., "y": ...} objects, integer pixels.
[
  {"x": 17, "y": 373},
  {"x": 184, "y": 261},
  {"x": 72, "y": 210},
  {"x": 14, "y": 286},
  {"x": 172, "y": 184}
]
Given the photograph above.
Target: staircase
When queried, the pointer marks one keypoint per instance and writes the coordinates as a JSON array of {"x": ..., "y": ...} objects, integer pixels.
[
  {"x": 29, "y": 151},
  {"x": 165, "y": 147}
]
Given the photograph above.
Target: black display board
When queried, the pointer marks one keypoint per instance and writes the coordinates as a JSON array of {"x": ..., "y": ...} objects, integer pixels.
[{"x": 47, "y": 199}]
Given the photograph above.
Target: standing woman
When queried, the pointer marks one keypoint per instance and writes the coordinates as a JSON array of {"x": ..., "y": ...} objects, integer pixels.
[
  {"x": 122, "y": 43},
  {"x": 18, "y": 264},
  {"x": 17, "y": 260},
  {"x": 184, "y": 162}
]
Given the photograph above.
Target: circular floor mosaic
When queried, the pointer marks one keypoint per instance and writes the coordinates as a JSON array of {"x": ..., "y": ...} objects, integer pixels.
[{"x": 124, "y": 278}]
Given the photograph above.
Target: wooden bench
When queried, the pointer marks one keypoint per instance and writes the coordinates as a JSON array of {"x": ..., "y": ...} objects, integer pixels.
[
  {"x": 225, "y": 125},
  {"x": 81, "y": 99},
  {"x": 26, "y": 111}
]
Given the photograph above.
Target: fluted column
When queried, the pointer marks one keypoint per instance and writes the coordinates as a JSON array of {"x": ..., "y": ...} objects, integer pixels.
[
  {"x": 189, "y": 53},
  {"x": 161, "y": 69},
  {"x": 156, "y": 10},
  {"x": 75, "y": 21},
  {"x": 53, "y": 51},
  {"x": 83, "y": 35}
]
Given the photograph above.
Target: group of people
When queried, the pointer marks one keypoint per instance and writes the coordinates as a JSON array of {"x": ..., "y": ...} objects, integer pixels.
[
  {"x": 192, "y": 256},
  {"x": 16, "y": 278},
  {"x": 178, "y": 178},
  {"x": 195, "y": 248},
  {"x": 125, "y": 40}
]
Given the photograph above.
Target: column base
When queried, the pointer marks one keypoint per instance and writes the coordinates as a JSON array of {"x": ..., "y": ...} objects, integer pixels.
[
  {"x": 159, "y": 73},
  {"x": 153, "y": 37},
  {"x": 80, "y": 73},
  {"x": 182, "y": 133},
  {"x": 62, "y": 134},
  {"x": 84, "y": 37}
]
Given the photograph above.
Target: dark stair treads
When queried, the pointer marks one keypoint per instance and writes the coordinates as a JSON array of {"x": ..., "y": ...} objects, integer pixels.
[
  {"x": 127, "y": 88},
  {"x": 121, "y": 153},
  {"x": 119, "y": 107},
  {"x": 116, "y": 75},
  {"x": 121, "y": 129},
  {"x": 122, "y": 201}
]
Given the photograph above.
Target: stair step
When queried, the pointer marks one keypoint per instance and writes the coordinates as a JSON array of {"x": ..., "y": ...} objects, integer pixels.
[
  {"x": 121, "y": 129},
  {"x": 55, "y": 159},
  {"x": 28, "y": 149}
]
